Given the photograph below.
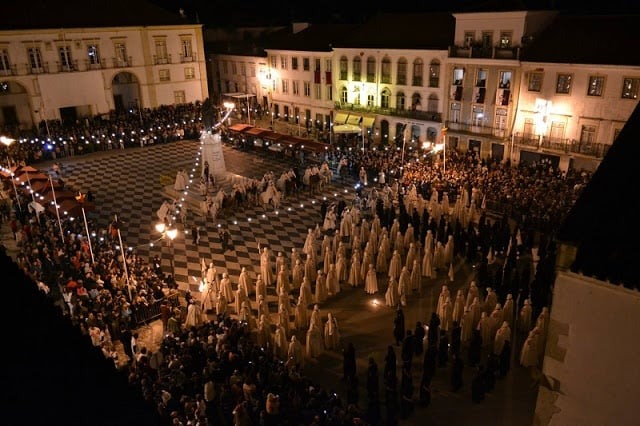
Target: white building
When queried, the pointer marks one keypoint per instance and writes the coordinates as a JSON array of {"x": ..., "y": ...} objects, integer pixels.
[{"x": 58, "y": 66}]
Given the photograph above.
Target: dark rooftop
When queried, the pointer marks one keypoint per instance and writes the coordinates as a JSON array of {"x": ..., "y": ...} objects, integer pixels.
[
  {"x": 46, "y": 14},
  {"x": 603, "y": 223},
  {"x": 315, "y": 38},
  {"x": 403, "y": 31},
  {"x": 587, "y": 39}
]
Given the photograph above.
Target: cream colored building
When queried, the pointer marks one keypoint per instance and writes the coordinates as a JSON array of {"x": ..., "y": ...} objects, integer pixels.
[{"x": 68, "y": 73}]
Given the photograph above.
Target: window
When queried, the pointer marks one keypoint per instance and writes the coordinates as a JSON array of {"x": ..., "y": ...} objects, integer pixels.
[
  {"x": 434, "y": 73},
  {"x": 164, "y": 75},
  {"x": 596, "y": 85},
  {"x": 296, "y": 87},
  {"x": 344, "y": 95},
  {"x": 505, "y": 39},
  {"x": 307, "y": 89},
  {"x": 121, "y": 54},
  {"x": 5, "y": 65},
  {"x": 274, "y": 62},
  {"x": 563, "y": 84},
  {"x": 481, "y": 78},
  {"x": 65, "y": 57},
  {"x": 400, "y": 101},
  {"x": 328, "y": 65},
  {"x": 469, "y": 38},
  {"x": 416, "y": 101},
  {"x": 316, "y": 62},
  {"x": 294, "y": 63},
  {"x": 477, "y": 115},
  {"x": 93, "y": 54},
  {"x": 588, "y": 134},
  {"x": 285, "y": 86},
  {"x": 454, "y": 116},
  {"x": 557, "y": 131},
  {"x": 385, "y": 71},
  {"x": 234, "y": 68},
  {"x": 432, "y": 105},
  {"x": 161, "y": 51},
  {"x": 370, "y": 100},
  {"x": 305, "y": 64},
  {"x": 487, "y": 39},
  {"x": 535, "y": 81},
  {"x": 344, "y": 67},
  {"x": 458, "y": 76},
  {"x": 630, "y": 88},
  {"x": 185, "y": 49},
  {"x": 283, "y": 62},
  {"x": 528, "y": 130},
  {"x": 318, "y": 91},
  {"x": 225, "y": 67},
  {"x": 384, "y": 98},
  {"x": 189, "y": 73},
  {"x": 417, "y": 72},
  {"x": 505, "y": 80},
  {"x": 178, "y": 97},
  {"x": 401, "y": 77},
  {"x": 243, "y": 69},
  {"x": 329, "y": 93},
  {"x": 356, "y": 68},
  {"x": 356, "y": 96},
  {"x": 371, "y": 69},
  {"x": 252, "y": 70}
]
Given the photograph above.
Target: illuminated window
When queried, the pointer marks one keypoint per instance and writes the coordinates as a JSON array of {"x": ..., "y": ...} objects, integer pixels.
[
  {"x": 283, "y": 62},
  {"x": 458, "y": 76},
  {"x": 189, "y": 73},
  {"x": 65, "y": 57},
  {"x": 5, "y": 65},
  {"x": 400, "y": 101},
  {"x": 385, "y": 76},
  {"x": 588, "y": 134},
  {"x": 417, "y": 72},
  {"x": 307, "y": 89},
  {"x": 186, "y": 50},
  {"x": 357, "y": 68},
  {"x": 563, "y": 84},
  {"x": 274, "y": 62},
  {"x": 434, "y": 73},
  {"x": 329, "y": 93},
  {"x": 481, "y": 78},
  {"x": 401, "y": 76},
  {"x": 384, "y": 98},
  {"x": 505, "y": 39},
  {"x": 178, "y": 97},
  {"x": 469, "y": 38},
  {"x": 344, "y": 67},
  {"x": 161, "y": 51},
  {"x": 285, "y": 86},
  {"x": 535, "y": 81},
  {"x": 318, "y": 91},
  {"x": 371, "y": 69},
  {"x": 243, "y": 69},
  {"x": 596, "y": 85},
  {"x": 93, "y": 54},
  {"x": 316, "y": 62},
  {"x": 296, "y": 87},
  {"x": 344, "y": 95},
  {"x": 630, "y": 88},
  {"x": 370, "y": 100},
  {"x": 164, "y": 75},
  {"x": 121, "y": 54},
  {"x": 505, "y": 80},
  {"x": 557, "y": 131}
]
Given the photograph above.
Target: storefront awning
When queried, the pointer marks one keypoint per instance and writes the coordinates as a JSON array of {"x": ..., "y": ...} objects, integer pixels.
[
  {"x": 240, "y": 127},
  {"x": 340, "y": 118},
  {"x": 347, "y": 128},
  {"x": 256, "y": 131},
  {"x": 354, "y": 119},
  {"x": 367, "y": 122}
]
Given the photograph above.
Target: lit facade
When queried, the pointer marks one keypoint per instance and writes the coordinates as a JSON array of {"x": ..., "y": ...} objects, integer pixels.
[{"x": 71, "y": 73}]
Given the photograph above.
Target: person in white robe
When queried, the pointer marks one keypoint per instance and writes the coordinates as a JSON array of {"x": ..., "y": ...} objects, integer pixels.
[
  {"x": 246, "y": 282},
  {"x": 327, "y": 260},
  {"x": 331, "y": 333},
  {"x": 458, "y": 307},
  {"x": 221, "y": 304},
  {"x": 411, "y": 256},
  {"x": 476, "y": 311},
  {"x": 225, "y": 287},
  {"x": 472, "y": 293},
  {"x": 263, "y": 335},
  {"x": 283, "y": 299},
  {"x": 263, "y": 309},
  {"x": 329, "y": 223},
  {"x": 438, "y": 257},
  {"x": 283, "y": 318},
  {"x": 265, "y": 267},
  {"x": 507, "y": 310},
  {"x": 281, "y": 262},
  {"x": 409, "y": 236},
  {"x": 333, "y": 286},
  {"x": 314, "y": 340},
  {"x": 321, "y": 288},
  {"x": 301, "y": 315},
  {"x": 305, "y": 291},
  {"x": 342, "y": 271},
  {"x": 309, "y": 243},
  {"x": 316, "y": 315},
  {"x": 180, "y": 183},
  {"x": 496, "y": 318},
  {"x": 247, "y": 316},
  {"x": 490, "y": 301},
  {"x": 310, "y": 268},
  {"x": 467, "y": 326},
  {"x": 427, "y": 263},
  {"x": 529, "y": 352},
  {"x": 280, "y": 344},
  {"x": 448, "y": 251},
  {"x": 282, "y": 281},
  {"x": 444, "y": 293},
  {"x": 212, "y": 276},
  {"x": 502, "y": 335},
  {"x": 416, "y": 276},
  {"x": 297, "y": 274},
  {"x": 295, "y": 257},
  {"x": 240, "y": 298},
  {"x": 295, "y": 352},
  {"x": 371, "y": 281},
  {"x": 398, "y": 245},
  {"x": 391, "y": 295},
  {"x": 354, "y": 272},
  {"x": 367, "y": 260},
  {"x": 446, "y": 315},
  {"x": 208, "y": 297},
  {"x": 404, "y": 285},
  {"x": 524, "y": 321},
  {"x": 395, "y": 265},
  {"x": 484, "y": 326},
  {"x": 261, "y": 288}
]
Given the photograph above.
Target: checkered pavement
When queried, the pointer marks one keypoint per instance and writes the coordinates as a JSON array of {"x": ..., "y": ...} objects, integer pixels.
[{"x": 130, "y": 183}]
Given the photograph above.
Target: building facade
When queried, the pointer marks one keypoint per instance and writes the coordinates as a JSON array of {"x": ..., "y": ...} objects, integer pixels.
[{"x": 76, "y": 72}]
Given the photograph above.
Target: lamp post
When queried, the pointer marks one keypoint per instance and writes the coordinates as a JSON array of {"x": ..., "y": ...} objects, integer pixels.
[
  {"x": 168, "y": 233},
  {"x": 6, "y": 141},
  {"x": 124, "y": 258}
]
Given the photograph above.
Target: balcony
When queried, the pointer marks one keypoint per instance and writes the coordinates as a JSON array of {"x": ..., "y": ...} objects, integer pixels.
[
  {"x": 69, "y": 66},
  {"x": 484, "y": 52},
  {"x": 473, "y": 129},
  {"x": 395, "y": 112},
  {"x": 561, "y": 145},
  {"x": 122, "y": 62},
  {"x": 88, "y": 65},
  {"x": 187, "y": 58},
  {"x": 43, "y": 68},
  {"x": 9, "y": 71},
  {"x": 161, "y": 60}
]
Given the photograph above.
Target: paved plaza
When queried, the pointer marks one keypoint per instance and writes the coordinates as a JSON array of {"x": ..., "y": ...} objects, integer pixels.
[{"x": 131, "y": 183}]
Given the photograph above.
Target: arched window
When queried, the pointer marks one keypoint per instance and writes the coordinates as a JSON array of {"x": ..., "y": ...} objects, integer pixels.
[
  {"x": 385, "y": 77},
  {"x": 402, "y": 71},
  {"x": 357, "y": 68},
  {"x": 385, "y": 96},
  {"x": 432, "y": 104},
  {"x": 416, "y": 101},
  {"x": 344, "y": 68},
  {"x": 400, "y": 101},
  {"x": 434, "y": 73},
  {"x": 371, "y": 69},
  {"x": 344, "y": 95},
  {"x": 417, "y": 72}
]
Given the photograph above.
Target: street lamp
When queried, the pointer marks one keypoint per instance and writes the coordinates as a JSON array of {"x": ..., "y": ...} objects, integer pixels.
[{"x": 169, "y": 234}]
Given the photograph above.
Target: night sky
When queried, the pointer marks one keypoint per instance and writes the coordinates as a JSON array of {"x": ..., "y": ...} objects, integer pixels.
[{"x": 247, "y": 12}]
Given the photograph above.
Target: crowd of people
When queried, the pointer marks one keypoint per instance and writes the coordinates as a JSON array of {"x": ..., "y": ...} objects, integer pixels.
[{"x": 411, "y": 221}]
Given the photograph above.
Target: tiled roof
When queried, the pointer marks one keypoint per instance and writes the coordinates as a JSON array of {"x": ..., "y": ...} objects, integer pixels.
[
  {"x": 587, "y": 39},
  {"x": 315, "y": 38},
  {"x": 46, "y": 14},
  {"x": 403, "y": 31},
  {"x": 603, "y": 223}
]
